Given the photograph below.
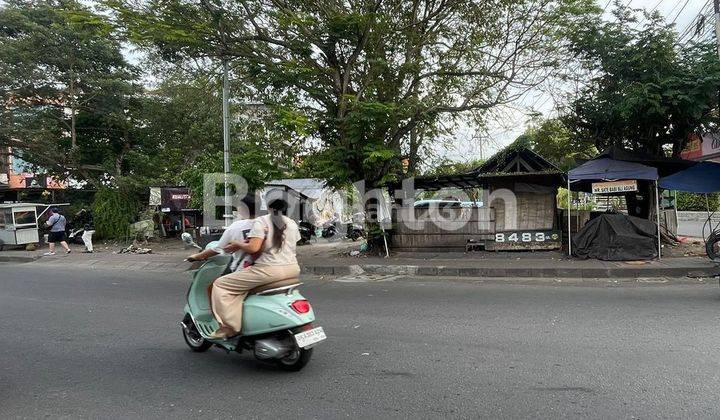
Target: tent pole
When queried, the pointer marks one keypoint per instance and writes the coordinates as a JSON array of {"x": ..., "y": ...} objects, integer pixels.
[
  {"x": 709, "y": 216},
  {"x": 677, "y": 219},
  {"x": 657, "y": 217},
  {"x": 569, "y": 221}
]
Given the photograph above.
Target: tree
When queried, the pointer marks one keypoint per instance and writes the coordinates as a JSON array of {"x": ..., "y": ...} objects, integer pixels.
[
  {"x": 181, "y": 136},
  {"x": 451, "y": 168},
  {"x": 370, "y": 79},
  {"x": 646, "y": 91},
  {"x": 67, "y": 95},
  {"x": 553, "y": 140}
]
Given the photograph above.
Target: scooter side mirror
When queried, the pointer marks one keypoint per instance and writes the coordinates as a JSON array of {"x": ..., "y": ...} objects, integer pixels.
[{"x": 188, "y": 240}]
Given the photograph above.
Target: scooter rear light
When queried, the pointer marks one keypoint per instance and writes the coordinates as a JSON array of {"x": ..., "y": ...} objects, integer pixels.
[{"x": 301, "y": 306}]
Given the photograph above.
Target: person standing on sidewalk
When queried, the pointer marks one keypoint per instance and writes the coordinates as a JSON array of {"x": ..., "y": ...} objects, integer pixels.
[
  {"x": 85, "y": 217},
  {"x": 57, "y": 223}
]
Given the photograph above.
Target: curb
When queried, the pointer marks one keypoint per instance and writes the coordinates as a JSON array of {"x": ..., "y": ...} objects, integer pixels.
[
  {"x": 17, "y": 259},
  {"x": 547, "y": 273}
]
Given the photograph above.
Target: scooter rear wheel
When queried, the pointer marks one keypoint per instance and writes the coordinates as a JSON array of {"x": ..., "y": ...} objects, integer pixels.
[
  {"x": 295, "y": 361},
  {"x": 193, "y": 338}
]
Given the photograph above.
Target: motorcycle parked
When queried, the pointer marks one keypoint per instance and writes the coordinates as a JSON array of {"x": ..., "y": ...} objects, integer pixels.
[
  {"x": 277, "y": 319},
  {"x": 355, "y": 231},
  {"x": 75, "y": 236},
  {"x": 329, "y": 230},
  {"x": 307, "y": 231}
]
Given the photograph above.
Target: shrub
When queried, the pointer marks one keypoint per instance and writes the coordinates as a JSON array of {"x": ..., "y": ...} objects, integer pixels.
[
  {"x": 696, "y": 202},
  {"x": 113, "y": 211}
]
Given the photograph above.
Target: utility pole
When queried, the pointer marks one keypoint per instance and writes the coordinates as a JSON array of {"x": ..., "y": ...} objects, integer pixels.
[
  {"x": 226, "y": 142},
  {"x": 717, "y": 24}
]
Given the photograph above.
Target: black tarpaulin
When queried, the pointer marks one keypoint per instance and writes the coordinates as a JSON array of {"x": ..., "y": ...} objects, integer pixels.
[{"x": 616, "y": 237}]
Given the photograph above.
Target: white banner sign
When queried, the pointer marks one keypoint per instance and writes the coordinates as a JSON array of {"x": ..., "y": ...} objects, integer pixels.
[{"x": 614, "y": 187}]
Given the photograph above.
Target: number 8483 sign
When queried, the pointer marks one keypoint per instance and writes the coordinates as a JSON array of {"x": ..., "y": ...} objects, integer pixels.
[{"x": 527, "y": 236}]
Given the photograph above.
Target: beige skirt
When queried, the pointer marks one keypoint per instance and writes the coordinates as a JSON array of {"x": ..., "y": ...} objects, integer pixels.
[{"x": 229, "y": 291}]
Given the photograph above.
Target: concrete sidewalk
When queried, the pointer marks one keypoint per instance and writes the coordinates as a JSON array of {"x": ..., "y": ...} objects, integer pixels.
[{"x": 329, "y": 259}]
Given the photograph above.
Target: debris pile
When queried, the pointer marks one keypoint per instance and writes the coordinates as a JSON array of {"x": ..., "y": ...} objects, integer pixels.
[{"x": 135, "y": 249}]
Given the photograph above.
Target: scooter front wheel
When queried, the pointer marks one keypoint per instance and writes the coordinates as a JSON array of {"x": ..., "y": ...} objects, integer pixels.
[
  {"x": 295, "y": 360},
  {"x": 193, "y": 338}
]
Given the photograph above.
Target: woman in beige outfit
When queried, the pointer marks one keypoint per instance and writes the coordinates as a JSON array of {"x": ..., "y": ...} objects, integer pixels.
[{"x": 276, "y": 236}]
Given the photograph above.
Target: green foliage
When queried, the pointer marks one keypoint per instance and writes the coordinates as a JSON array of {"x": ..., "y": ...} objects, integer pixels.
[
  {"x": 562, "y": 201},
  {"x": 450, "y": 168},
  {"x": 644, "y": 90},
  {"x": 114, "y": 210},
  {"x": 552, "y": 140},
  {"x": 697, "y": 202},
  {"x": 368, "y": 81},
  {"x": 252, "y": 164},
  {"x": 181, "y": 136},
  {"x": 67, "y": 97}
]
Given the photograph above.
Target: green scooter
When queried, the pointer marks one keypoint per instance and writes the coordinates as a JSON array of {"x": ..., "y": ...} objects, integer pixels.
[{"x": 277, "y": 319}]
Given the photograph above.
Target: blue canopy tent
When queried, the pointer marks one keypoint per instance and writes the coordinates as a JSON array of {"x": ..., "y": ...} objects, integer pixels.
[
  {"x": 607, "y": 169},
  {"x": 702, "y": 178}
]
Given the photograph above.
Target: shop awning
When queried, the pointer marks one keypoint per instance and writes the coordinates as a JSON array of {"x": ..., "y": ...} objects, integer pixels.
[
  {"x": 609, "y": 169},
  {"x": 704, "y": 177}
]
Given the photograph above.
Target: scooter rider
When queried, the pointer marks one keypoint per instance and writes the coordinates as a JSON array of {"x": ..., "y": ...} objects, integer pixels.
[
  {"x": 237, "y": 231},
  {"x": 276, "y": 235}
]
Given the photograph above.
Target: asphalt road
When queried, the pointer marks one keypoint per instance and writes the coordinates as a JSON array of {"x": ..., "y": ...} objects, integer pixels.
[{"x": 105, "y": 344}]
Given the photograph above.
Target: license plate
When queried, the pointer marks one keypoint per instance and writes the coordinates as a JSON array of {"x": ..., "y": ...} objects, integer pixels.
[{"x": 310, "y": 337}]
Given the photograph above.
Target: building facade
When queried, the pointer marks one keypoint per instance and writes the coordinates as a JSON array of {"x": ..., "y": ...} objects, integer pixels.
[
  {"x": 705, "y": 147},
  {"x": 16, "y": 179}
]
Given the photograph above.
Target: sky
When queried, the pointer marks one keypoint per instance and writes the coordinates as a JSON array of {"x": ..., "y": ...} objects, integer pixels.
[{"x": 469, "y": 145}]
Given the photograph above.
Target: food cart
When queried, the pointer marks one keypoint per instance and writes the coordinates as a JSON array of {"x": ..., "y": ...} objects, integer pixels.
[{"x": 19, "y": 224}]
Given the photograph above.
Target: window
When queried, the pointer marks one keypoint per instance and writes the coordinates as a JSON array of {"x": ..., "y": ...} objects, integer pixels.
[
  {"x": 5, "y": 218},
  {"x": 25, "y": 217}
]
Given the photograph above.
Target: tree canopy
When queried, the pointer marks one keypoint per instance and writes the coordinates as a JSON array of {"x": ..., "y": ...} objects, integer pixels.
[
  {"x": 66, "y": 91},
  {"x": 643, "y": 89},
  {"x": 367, "y": 78},
  {"x": 553, "y": 140}
]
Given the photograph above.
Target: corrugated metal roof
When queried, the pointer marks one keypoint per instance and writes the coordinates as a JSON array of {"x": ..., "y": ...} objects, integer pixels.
[{"x": 309, "y": 187}]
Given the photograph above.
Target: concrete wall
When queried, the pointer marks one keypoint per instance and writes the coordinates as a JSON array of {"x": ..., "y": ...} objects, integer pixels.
[{"x": 690, "y": 223}]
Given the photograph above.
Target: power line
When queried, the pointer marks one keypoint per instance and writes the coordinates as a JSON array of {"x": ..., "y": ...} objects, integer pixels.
[
  {"x": 698, "y": 16},
  {"x": 640, "y": 21},
  {"x": 656, "y": 6},
  {"x": 694, "y": 28},
  {"x": 681, "y": 10}
]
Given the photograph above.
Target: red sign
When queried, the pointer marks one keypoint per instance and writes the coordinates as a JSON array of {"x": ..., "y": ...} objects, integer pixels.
[{"x": 700, "y": 148}]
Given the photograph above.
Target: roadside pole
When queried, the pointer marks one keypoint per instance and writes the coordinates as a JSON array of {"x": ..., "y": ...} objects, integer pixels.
[
  {"x": 657, "y": 218},
  {"x": 227, "y": 213},
  {"x": 569, "y": 220}
]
